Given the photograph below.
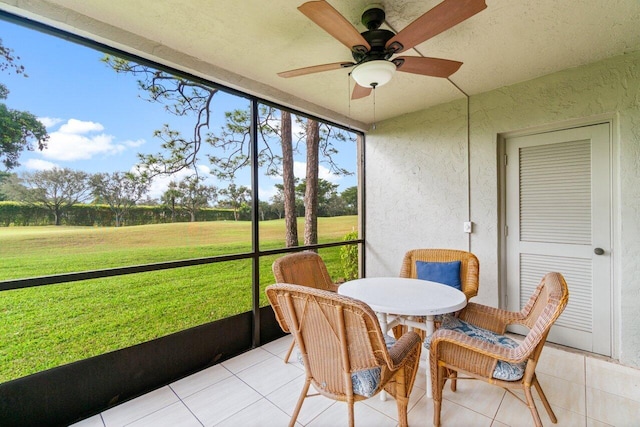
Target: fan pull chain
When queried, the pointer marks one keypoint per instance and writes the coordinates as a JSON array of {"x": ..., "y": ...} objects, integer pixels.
[
  {"x": 349, "y": 94},
  {"x": 374, "y": 106}
]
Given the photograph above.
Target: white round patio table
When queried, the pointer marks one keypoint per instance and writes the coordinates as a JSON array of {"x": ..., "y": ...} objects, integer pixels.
[{"x": 397, "y": 299}]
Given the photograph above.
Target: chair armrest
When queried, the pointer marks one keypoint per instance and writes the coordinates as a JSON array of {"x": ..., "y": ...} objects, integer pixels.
[
  {"x": 491, "y": 318},
  {"x": 403, "y": 347}
]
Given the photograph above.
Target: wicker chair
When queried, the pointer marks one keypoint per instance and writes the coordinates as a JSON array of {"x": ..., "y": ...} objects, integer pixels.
[
  {"x": 474, "y": 345},
  {"x": 341, "y": 345},
  {"x": 302, "y": 268},
  {"x": 469, "y": 266},
  {"x": 469, "y": 272}
]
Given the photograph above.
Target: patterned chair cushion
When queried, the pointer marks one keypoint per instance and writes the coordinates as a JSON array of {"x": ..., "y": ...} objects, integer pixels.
[
  {"x": 366, "y": 381},
  {"x": 504, "y": 370}
]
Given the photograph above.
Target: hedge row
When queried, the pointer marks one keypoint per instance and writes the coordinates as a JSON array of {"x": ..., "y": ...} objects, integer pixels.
[{"x": 20, "y": 214}]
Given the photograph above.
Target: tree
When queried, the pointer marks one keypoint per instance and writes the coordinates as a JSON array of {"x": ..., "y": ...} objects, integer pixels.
[
  {"x": 19, "y": 130},
  {"x": 277, "y": 203},
  {"x": 4, "y": 177},
  {"x": 193, "y": 195},
  {"x": 120, "y": 190},
  {"x": 350, "y": 199},
  {"x": 236, "y": 197},
  {"x": 288, "y": 181},
  {"x": 268, "y": 211},
  {"x": 327, "y": 193},
  {"x": 234, "y": 139},
  {"x": 55, "y": 190},
  {"x": 169, "y": 198},
  {"x": 311, "y": 191},
  {"x": 181, "y": 97}
]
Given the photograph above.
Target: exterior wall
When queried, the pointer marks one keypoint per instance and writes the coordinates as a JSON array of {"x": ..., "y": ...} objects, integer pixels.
[{"x": 416, "y": 176}]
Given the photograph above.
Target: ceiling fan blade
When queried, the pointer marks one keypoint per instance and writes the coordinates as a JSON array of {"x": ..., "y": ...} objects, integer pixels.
[
  {"x": 360, "y": 92},
  {"x": 442, "y": 17},
  {"x": 330, "y": 20},
  {"x": 316, "y": 69},
  {"x": 434, "y": 67}
]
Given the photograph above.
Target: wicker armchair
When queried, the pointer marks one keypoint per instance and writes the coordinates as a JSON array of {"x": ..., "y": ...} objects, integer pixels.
[
  {"x": 343, "y": 348},
  {"x": 302, "y": 268},
  {"x": 469, "y": 266},
  {"x": 469, "y": 272},
  {"x": 474, "y": 345}
]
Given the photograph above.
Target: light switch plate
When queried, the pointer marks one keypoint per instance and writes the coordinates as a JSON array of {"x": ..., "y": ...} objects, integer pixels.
[{"x": 468, "y": 227}]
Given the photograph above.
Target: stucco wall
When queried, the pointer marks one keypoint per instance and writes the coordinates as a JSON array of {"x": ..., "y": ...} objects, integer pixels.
[{"x": 416, "y": 175}]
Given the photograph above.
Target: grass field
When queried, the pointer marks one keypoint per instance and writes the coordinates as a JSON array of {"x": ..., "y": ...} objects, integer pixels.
[{"x": 51, "y": 325}]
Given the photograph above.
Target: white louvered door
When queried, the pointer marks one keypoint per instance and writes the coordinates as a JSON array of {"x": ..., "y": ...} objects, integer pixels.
[{"x": 558, "y": 218}]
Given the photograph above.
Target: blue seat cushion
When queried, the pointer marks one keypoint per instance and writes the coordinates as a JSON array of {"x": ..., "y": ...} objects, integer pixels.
[
  {"x": 366, "y": 381},
  {"x": 504, "y": 370},
  {"x": 447, "y": 273}
]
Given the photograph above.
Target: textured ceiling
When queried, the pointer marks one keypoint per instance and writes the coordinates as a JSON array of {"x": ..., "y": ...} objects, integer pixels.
[{"x": 243, "y": 44}]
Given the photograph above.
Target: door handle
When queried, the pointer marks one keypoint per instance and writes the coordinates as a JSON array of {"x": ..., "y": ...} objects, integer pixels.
[{"x": 598, "y": 251}]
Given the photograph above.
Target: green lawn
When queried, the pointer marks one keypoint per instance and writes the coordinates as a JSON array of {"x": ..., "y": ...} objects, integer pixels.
[{"x": 48, "y": 326}]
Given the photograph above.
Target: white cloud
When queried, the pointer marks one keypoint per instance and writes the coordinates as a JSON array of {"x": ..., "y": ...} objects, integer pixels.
[
  {"x": 134, "y": 144},
  {"x": 300, "y": 172},
  {"x": 204, "y": 170},
  {"x": 75, "y": 126},
  {"x": 69, "y": 147},
  {"x": 159, "y": 184},
  {"x": 49, "y": 121},
  {"x": 37, "y": 164},
  {"x": 265, "y": 194},
  {"x": 70, "y": 143}
]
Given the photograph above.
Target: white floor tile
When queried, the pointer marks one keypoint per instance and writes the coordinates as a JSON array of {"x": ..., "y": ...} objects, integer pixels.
[
  {"x": 260, "y": 414},
  {"x": 286, "y": 398},
  {"x": 559, "y": 392},
  {"x": 612, "y": 409},
  {"x": 517, "y": 414},
  {"x": 475, "y": 395},
  {"x": 269, "y": 374},
  {"x": 95, "y": 421},
  {"x": 595, "y": 423},
  {"x": 246, "y": 360},
  {"x": 225, "y": 398},
  {"x": 279, "y": 347},
  {"x": 337, "y": 415},
  {"x": 140, "y": 407},
  {"x": 389, "y": 407},
  {"x": 200, "y": 380},
  {"x": 175, "y": 415},
  {"x": 562, "y": 364},
  {"x": 451, "y": 415},
  {"x": 613, "y": 378},
  {"x": 563, "y": 393}
]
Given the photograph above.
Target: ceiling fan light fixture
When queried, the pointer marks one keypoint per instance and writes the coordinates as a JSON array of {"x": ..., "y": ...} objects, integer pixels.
[{"x": 373, "y": 73}]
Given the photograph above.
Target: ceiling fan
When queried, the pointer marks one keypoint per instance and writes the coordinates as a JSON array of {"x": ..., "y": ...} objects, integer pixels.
[{"x": 373, "y": 50}]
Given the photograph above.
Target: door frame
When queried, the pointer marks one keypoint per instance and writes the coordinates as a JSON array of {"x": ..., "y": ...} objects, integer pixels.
[{"x": 614, "y": 167}]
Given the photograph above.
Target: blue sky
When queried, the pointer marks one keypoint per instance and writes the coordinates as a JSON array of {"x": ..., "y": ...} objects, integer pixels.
[{"x": 97, "y": 120}]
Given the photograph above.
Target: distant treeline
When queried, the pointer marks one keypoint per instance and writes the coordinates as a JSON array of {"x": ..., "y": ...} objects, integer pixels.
[{"x": 22, "y": 214}]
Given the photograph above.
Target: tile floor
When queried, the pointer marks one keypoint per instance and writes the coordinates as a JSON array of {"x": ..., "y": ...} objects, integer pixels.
[{"x": 258, "y": 389}]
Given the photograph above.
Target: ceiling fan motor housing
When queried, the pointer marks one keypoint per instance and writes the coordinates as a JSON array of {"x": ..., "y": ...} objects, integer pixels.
[{"x": 372, "y": 18}]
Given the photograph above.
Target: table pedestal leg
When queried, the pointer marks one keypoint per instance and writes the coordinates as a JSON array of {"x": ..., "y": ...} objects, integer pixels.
[
  {"x": 382, "y": 319},
  {"x": 430, "y": 329}
]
